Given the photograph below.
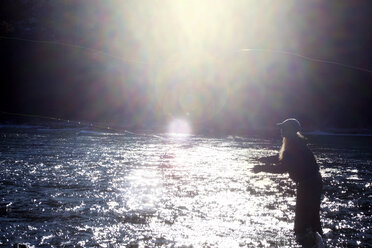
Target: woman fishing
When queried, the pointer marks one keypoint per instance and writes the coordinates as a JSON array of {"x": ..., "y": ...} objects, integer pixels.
[{"x": 296, "y": 159}]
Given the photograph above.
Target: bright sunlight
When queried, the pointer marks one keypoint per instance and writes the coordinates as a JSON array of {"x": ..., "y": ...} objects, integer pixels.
[
  {"x": 189, "y": 55},
  {"x": 179, "y": 127}
]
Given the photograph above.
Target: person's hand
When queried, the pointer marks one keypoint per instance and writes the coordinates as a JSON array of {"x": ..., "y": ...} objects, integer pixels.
[
  {"x": 269, "y": 160},
  {"x": 257, "y": 169},
  {"x": 262, "y": 160}
]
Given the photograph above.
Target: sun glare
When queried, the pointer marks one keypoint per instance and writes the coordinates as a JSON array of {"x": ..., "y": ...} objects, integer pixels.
[
  {"x": 189, "y": 58},
  {"x": 186, "y": 30},
  {"x": 179, "y": 127}
]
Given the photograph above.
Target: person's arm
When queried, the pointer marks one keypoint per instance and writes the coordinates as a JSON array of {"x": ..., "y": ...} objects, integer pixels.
[
  {"x": 270, "y": 159},
  {"x": 278, "y": 169},
  {"x": 279, "y": 166}
]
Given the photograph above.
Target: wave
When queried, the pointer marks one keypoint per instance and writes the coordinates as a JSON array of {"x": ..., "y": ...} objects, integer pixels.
[
  {"x": 96, "y": 132},
  {"x": 20, "y": 126},
  {"x": 78, "y": 131}
]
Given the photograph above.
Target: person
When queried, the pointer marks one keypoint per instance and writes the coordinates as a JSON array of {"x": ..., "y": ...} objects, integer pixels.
[{"x": 296, "y": 159}]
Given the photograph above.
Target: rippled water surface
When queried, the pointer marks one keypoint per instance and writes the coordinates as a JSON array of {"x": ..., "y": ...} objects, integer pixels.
[{"x": 73, "y": 188}]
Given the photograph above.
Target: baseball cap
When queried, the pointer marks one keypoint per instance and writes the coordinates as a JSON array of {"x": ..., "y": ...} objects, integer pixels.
[{"x": 290, "y": 123}]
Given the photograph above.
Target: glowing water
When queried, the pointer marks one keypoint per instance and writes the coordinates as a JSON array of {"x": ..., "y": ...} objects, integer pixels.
[{"x": 86, "y": 189}]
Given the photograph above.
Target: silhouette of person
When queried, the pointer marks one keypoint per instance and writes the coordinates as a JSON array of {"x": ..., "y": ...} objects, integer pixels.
[{"x": 296, "y": 159}]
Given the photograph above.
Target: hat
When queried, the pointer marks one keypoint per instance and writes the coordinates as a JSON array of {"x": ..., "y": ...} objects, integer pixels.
[{"x": 291, "y": 124}]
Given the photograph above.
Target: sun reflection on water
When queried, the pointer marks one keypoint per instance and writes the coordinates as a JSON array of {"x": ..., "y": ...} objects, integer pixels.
[
  {"x": 200, "y": 191},
  {"x": 179, "y": 128},
  {"x": 126, "y": 191}
]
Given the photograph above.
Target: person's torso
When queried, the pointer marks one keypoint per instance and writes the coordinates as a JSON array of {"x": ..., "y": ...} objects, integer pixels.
[{"x": 301, "y": 164}]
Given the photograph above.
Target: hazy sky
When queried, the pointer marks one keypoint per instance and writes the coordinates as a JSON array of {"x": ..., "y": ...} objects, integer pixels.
[{"x": 223, "y": 62}]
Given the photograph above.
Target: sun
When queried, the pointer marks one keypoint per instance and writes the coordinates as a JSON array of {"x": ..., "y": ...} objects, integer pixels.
[{"x": 179, "y": 127}]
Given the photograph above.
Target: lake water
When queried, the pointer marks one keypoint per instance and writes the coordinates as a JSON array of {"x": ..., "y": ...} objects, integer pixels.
[{"x": 76, "y": 188}]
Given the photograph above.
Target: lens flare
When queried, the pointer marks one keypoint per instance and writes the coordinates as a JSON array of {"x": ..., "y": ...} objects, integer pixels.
[{"x": 179, "y": 127}]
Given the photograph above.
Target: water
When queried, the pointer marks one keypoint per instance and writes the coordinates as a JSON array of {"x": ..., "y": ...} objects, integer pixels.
[{"x": 74, "y": 188}]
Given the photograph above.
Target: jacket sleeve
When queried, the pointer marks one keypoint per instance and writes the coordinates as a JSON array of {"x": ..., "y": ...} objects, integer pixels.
[
  {"x": 278, "y": 168},
  {"x": 270, "y": 160},
  {"x": 281, "y": 166}
]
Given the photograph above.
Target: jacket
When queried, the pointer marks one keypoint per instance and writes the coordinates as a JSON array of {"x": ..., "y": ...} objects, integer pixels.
[{"x": 299, "y": 162}]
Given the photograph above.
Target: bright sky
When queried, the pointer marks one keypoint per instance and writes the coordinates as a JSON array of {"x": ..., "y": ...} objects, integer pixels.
[
  {"x": 210, "y": 62},
  {"x": 186, "y": 30},
  {"x": 192, "y": 50}
]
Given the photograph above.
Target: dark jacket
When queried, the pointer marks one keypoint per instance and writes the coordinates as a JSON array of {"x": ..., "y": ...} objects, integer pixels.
[{"x": 299, "y": 162}]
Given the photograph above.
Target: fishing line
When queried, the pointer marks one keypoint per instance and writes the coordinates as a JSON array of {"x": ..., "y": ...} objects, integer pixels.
[
  {"x": 87, "y": 49},
  {"x": 244, "y": 50},
  {"x": 96, "y": 51},
  {"x": 91, "y": 125},
  {"x": 81, "y": 123},
  {"x": 307, "y": 58}
]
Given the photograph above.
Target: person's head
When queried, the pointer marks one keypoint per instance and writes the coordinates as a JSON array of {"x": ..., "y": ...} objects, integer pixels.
[{"x": 289, "y": 128}]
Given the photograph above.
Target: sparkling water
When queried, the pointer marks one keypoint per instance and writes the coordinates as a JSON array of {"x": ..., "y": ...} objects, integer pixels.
[{"x": 77, "y": 188}]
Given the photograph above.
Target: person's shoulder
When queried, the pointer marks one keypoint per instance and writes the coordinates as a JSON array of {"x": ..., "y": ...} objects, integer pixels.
[
  {"x": 301, "y": 143},
  {"x": 288, "y": 154},
  {"x": 300, "y": 140}
]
